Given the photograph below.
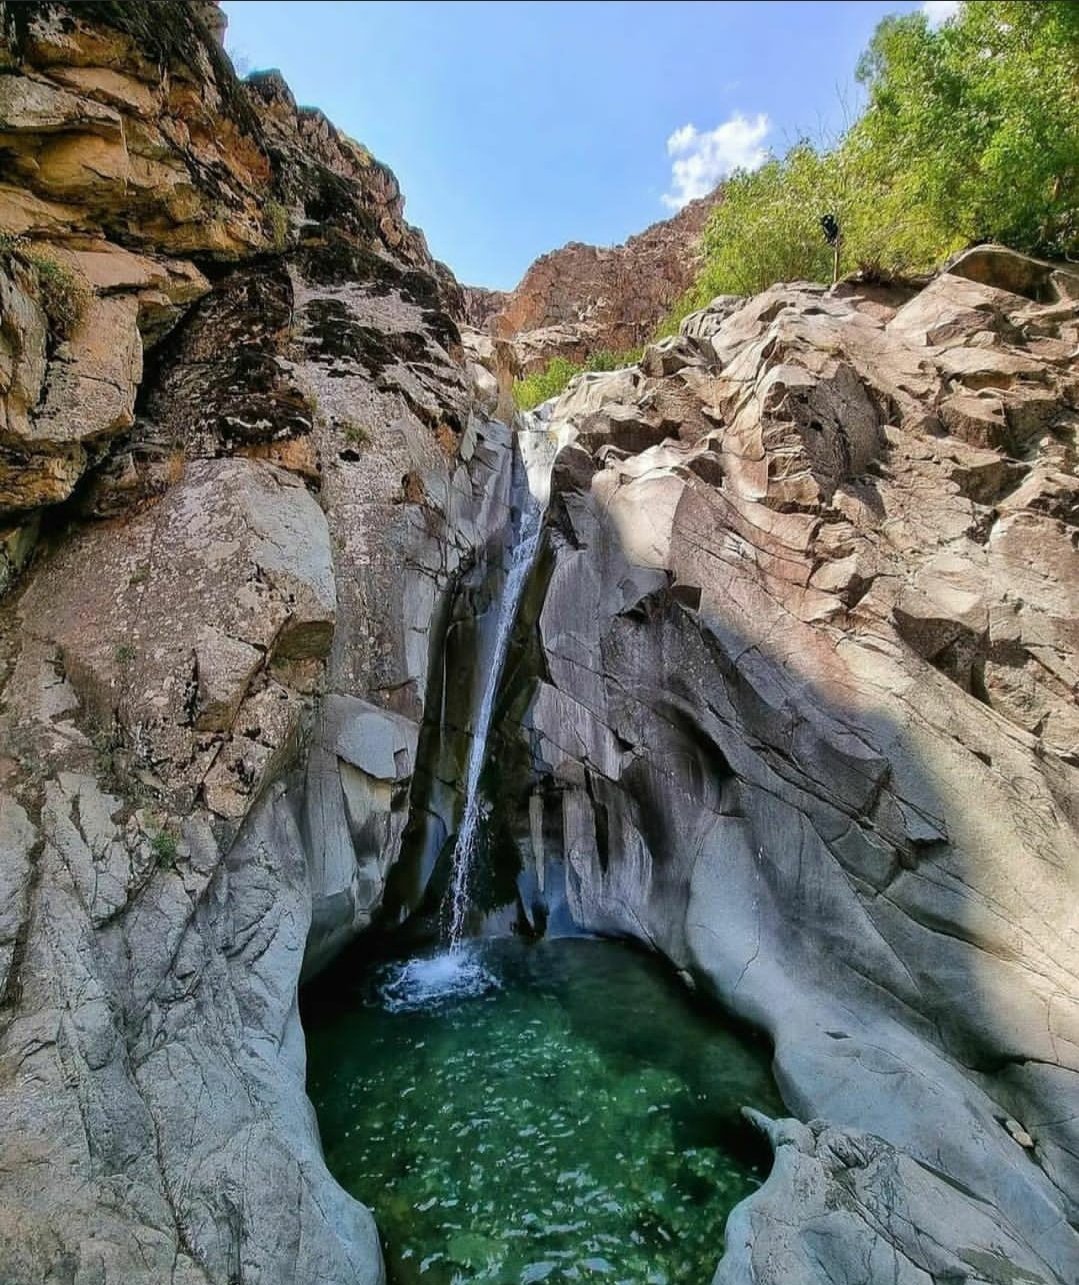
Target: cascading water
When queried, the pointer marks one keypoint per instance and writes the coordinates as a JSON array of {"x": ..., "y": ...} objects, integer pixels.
[
  {"x": 464, "y": 849},
  {"x": 456, "y": 971}
]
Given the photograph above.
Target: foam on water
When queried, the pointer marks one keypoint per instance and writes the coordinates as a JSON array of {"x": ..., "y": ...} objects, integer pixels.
[{"x": 430, "y": 981}]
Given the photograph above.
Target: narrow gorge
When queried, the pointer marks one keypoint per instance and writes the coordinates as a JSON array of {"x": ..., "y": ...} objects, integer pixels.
[{"x": 635, "y": 840}]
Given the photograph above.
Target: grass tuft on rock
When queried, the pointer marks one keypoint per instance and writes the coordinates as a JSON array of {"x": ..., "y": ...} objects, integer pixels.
[
  {"x": 164, "y": 845},
  {"x": 544, "y": 384},
  {"x": 64, "y": 294}
]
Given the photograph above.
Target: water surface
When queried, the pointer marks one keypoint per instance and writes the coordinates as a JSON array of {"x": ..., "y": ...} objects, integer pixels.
[{"x": 574, "y": 1117}]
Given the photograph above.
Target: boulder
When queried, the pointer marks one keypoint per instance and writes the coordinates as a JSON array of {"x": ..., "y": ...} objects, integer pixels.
[{"x": 1004, "y": 269}]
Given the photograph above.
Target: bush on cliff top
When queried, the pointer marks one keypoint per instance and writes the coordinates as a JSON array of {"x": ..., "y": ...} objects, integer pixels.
[
  {"x": 549, "y": 382},
  {"x": 970, "y": 133}
]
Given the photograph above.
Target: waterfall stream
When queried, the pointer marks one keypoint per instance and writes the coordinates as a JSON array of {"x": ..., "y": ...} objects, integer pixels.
[
  {"x": 538, "y": 447},
  {"x": 455, "y": 972}
]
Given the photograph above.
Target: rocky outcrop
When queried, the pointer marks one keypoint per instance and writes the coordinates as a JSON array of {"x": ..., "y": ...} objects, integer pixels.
[
  {"x": 802, "y": 717},
  {"x": 131, "y": 151},
  {"x": 238, "y": 419},
  {"x": 584, "y": 299},
  {"x": 792, "y": 698}
]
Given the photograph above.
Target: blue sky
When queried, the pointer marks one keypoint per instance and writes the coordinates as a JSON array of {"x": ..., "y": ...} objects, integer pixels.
[{"x": 516, "y": 127}]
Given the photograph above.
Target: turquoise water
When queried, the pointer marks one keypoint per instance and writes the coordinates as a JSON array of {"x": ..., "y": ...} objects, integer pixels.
[{"x": 572, "y": 1118}]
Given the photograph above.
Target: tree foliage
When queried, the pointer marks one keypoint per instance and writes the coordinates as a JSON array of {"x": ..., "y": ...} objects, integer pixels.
[
  {"x": 549, "y": 382},
  {"x": 976, "y": 123},
  {"x": 970, "y": 133}
]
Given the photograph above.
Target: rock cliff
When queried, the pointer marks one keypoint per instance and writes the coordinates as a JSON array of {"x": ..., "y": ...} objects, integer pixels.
[
  {"x": 583, "y": 299},
  {"x": 791, "y": 697},
  {"x": 247, "y": 454},
  {"x": 796, "y": 707}
]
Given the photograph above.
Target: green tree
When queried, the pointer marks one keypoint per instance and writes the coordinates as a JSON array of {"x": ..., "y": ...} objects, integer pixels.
[
  {"x": 970, "y": 133},
  {"x": 971, "y": 130},
  {"x": 549, "y": 382},
  {"x": 767, "y": 228}
]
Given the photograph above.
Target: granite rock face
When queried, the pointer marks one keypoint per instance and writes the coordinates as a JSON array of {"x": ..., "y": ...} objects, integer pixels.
[
  {"x": 583, "y": 299},
  {"x": 803, "y": 719},
  {"x": 228, "y": 358},
  {"x": 791, "y": 699}
]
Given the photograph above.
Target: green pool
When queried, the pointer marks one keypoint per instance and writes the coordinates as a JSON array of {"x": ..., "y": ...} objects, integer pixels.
[{"x": 563, "y": 1112}]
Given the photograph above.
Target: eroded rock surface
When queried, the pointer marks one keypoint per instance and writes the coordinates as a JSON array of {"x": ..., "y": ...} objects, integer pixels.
[
  {"x": 792, "y": 698},
  {"x": 583, "y": 299},
  {"x": 803, "y": 718},
  {"x": 256, "y": 463}
]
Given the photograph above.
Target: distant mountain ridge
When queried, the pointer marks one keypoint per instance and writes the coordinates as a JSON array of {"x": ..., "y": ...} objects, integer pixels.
[{"x": 584, "y": 298}]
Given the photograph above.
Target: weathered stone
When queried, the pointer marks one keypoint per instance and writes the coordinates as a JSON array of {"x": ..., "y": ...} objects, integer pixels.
[
  {"x": 584, "y": 299},
  {"x": 229, "y": 574},
  {"x": 996, "y": 265},
  {"x": 791, "y": 701},
  {"x": 767, "y": 700}
]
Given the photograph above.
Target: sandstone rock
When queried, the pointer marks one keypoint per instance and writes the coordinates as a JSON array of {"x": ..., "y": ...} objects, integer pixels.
[
  {"x": 23, "y": 335},
  {"x": 977, "y": 419},
  {"x": 493, "y": 366},
  {"x": 17, "y": 839},
  {"x": 35, "y": 106},
  {"x": 58, "y": 414},
  {"x": 16, "y": 547},
  {"x": 669, "y": 356}
]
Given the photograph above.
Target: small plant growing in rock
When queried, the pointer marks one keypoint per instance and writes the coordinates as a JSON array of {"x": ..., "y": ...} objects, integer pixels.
[
  {"x": 544, "y": 384},
  {"x": 64, "y": 294},
  {"x": 355, "y": 434},
  {"x": 276, "y": 223},
  {"x": 108, "y": 753},
  {"x": 164, "y": 846},
  {"x": 174, "y": 465},
  {"x": 125, "y": 654}
]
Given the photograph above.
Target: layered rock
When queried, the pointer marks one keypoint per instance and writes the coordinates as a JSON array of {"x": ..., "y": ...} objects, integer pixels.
[
  {"x": 584, "y": 299},
  {"x": 792, "y": 700},
  {"x": 239, "y": 419},
  {"x": 802, "y": 717}
]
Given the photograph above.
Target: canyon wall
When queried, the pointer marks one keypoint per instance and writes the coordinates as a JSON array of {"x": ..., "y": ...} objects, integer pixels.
[
  {"x": 245, "y": 458},
  {"x": 791, "y": 699},
  {"x": 795, "y": 706},
  {"x": 584, "y": 299}
]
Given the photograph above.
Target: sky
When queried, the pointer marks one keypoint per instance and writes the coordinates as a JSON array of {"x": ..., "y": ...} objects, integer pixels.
[{"x": 516, "y": 127}]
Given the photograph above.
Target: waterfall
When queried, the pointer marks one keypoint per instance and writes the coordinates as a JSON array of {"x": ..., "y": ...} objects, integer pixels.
[
  {"x": 456, "y": 973},
  {"x": 538, "y": 447}
]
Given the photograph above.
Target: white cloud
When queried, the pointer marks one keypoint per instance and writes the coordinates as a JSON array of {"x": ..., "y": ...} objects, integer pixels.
[
  {"x": 703, "y": 158},
  {"x": 939, "y": 11}
]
